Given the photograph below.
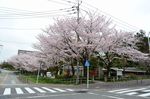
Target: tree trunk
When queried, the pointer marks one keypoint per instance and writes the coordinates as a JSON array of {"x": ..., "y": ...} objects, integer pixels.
[
  {"x": 72, "y": 69},
  {"x": 107, "y": 73},
  {"x": 77, "y": 74}
]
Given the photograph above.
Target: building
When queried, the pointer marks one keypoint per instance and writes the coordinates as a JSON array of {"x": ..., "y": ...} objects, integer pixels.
[{"x": 25, "y": 52}]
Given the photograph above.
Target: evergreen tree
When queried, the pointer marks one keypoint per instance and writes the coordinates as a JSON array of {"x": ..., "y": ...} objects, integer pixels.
[{"x": 142, "y": 44}]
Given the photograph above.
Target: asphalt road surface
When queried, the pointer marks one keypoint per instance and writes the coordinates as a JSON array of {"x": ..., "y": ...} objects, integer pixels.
[
  {"x": 12, "y": 88},
  {"x": 8, "y": 78}
]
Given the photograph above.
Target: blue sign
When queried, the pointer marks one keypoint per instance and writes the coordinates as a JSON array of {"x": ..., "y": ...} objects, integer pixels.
[{"x": 87, "y": 64}]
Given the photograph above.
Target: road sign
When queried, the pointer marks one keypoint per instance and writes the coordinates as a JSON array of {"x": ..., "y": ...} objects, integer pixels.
[{"x": 87, "y": 64}]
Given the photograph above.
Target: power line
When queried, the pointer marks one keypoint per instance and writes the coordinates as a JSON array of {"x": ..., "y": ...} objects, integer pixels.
[
  {"x": 59, "y": 12},
  {"x": 41, "y": 16},
  {"x": 19, "y": 11},
  {"x": 13, "y": 42},
  {"x": 69, "y": 1},
  {"x": 36, "y": 13},
  {"x": 58, "y": 2},
  {"x": 119, "y": 26},
  {"x": 14, "y": 9},
  {"x": 10, "y": 28},
  {"x": 114, "y": 18}
]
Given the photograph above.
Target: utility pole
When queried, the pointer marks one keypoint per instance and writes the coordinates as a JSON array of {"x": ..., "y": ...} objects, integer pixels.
[
  {"x": 78, "y": 39},
  {"x": 78, "y": 11}
]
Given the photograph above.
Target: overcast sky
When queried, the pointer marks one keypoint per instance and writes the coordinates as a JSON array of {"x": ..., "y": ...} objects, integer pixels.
[{"x": 19, "y": 31}]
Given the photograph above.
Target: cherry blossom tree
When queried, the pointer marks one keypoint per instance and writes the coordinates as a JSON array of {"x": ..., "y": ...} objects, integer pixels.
[
  {"x": 27, "y": 62},
  {"x": 119, "y": 44},
  {"x": 67, "y": 38}
]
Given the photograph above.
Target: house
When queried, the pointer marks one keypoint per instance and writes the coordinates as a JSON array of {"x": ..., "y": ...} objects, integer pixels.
[{"x": 134, "y": 70}]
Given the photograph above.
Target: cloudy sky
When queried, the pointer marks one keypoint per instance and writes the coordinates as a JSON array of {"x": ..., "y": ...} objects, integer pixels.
[{"x": 22, "y": 20}]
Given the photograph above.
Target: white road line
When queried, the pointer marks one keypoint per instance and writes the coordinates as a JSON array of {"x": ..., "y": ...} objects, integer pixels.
[
  {"x": 119, "y": 90},
  {"x": 92, "y": 93},
  {"x": 29, "y": 90},
  {"x": 69, "y": 89},
  {"x": 19, "y": 91},
  {"x": 145, "y": 90},
  {"x": 144, "y": 95},
  {"x": 59, "y": 89},
  {"x": 50, "y": 90},
  {"x": 40, "y": 90},
  {"x": 132, "y": 93},
  {"x": 131, "y": 90},
  {"x": 7, "y": 91}
]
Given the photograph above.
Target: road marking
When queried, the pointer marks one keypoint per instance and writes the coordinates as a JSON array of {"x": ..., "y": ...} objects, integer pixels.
[
  {"x": 144, "y": 95},
  {"x": 29, "y": 90},
  {"x": 145, "y": 90},
  {"x": 132, "y": 93},
  {"x": 112, "y": 97},
  {"x": 7, "y": 91},
  {"x": 69, "y": 90},
  {"x": 92, "y": 93},
  {"x": 19, "y": 91},
  {"x": 59, "y": 89},
  {"x": 131, "y": 90},
  {"x": 40, "y": 90},
  {"x": 119, "y": 90},
  {"x": 53, "y": 91},
  {"x": 13, "y": 84},
  {"x": 57, "y": 95}
]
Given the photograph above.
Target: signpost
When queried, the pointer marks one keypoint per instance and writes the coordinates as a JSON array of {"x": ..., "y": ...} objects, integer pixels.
[{"x": 87, "y": 64}]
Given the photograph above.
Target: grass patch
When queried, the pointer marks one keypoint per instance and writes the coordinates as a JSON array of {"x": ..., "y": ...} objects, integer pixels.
[{"x": 46, "y": 80}]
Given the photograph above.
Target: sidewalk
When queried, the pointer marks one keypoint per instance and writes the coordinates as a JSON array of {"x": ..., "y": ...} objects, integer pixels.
[
  {"x": 124, "y": 84},
  {"x": 103, "y": 85}
]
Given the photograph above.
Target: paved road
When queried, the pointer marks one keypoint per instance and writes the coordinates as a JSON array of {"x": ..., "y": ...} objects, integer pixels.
[
  {"x": 8, "y": 78},
  {"x": 12, "y": 88},
  {"x": 47, "y": 92},
  {"x": 31, "y": 91},
  {"x": 74, "y": 94}
]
